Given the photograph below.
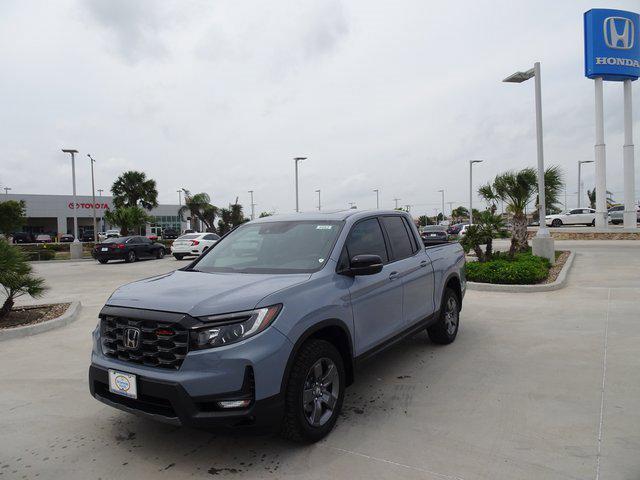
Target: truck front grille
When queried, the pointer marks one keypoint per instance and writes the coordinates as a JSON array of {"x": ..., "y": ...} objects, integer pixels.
[{"x": 157, "y": 344}]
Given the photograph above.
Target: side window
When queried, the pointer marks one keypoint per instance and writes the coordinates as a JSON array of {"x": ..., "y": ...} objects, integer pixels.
[
  {"x": 366, "y": 238},
  {"x": 211, "y": 236},
  {"x": 398, "y": 237},
  {"x": 575, "y": 211},
  {"x": 411, "y": 236}
]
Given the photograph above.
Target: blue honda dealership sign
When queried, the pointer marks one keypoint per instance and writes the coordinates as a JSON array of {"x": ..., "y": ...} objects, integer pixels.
[{"x": 611, "y": 44}]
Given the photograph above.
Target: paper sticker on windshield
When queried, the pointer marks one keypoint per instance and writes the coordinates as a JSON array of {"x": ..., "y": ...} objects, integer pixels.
[
  {"x": 320, "y": 260},
  {"x": 324, "y": 227}
]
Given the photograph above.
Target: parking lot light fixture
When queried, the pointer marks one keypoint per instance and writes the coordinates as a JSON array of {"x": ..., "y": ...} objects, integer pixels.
[
  {"x": 580, "y": 162},
  {"x": 93, "y": 198},
  {"x": 319, "y": 203},
  {"x": 377, "y": 190},
  {"x": 471, "y": 162},
  {"x": 442, "y": 192},
  {"x": 296, "y": 160},
  {"x": 6, "y": 190},
  {"x": 73, "y": 152},
  {"x": 253, "y": 206}
]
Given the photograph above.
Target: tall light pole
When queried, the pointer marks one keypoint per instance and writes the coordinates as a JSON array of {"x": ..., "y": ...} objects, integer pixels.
[
  {"x": 6, "y": 190},
  {"x": 543, "y": 245},
  {"x": 179, "y": 192},
  {"x": 319, "y": 203},
  {"x": 253, "y": 205},
  {"x": 396, "y": 200},
  {"x": 471, "y": 162},
  {"x": 580, "y": 162},
  {"x": 296, "y": 160},
  {"x": 73, "y": 152},
  {"x": 443, "y": 215},
  {"x": 100, "y": 190},
  {"x": 93, "y": 201},
  {"x": 629, "y": 216},
  {"x": 377, "y": 190}
]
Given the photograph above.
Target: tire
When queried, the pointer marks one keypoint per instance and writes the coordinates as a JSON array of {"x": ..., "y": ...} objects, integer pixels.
[
  {"x": 556, "y": 223},
  {"x": 131, "y": 257},
  {"x": 160, "y": 253},
  {"x": 298, "y": 422},
  {"x": 445, "y": 330},
  {"x": 178, "y": 256},
  {"x": 593, "y": 223},
  {"x": 103, "y": 260}
]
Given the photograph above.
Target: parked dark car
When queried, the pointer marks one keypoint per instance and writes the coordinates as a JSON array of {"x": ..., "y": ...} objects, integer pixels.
[
  {"x": 87, "y": 236},
  {"x": 22, "y": 237},
  {"x": 170, "y": 234},
  {"x": 43, "y": 238},
  {"x": 434, "y": 235},
  {"x": 455, "y": 228},
  {"x": 66, "y": 238},
  {"x": 128, "y": 249}
]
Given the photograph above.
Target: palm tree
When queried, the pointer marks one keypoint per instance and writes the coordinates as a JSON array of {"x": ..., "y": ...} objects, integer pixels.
[
  {"x": 134, "y": 189},
  {"x": 460, "y": 212},
  {"x": 127, "y": 218},
  {"x": 16, "y": 277},
  {"x": 517, "y": 189},
  {"x": 200, "y": 207},
  {"x": 230, "y": 218}
]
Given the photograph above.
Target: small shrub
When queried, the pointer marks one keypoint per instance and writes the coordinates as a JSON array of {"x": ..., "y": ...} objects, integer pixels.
[{"x": 523, "y": 269}]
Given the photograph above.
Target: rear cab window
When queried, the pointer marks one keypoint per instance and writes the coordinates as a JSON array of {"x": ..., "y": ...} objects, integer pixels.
[{"x": 401, "y": 244}]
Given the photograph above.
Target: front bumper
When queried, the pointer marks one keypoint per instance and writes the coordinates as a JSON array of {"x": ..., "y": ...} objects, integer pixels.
[
  {"x": 252, "y": 369},
  {"x": 169, "y": 402}
]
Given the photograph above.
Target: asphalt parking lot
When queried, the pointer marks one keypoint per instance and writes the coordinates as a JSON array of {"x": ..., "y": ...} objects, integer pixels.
[{"x": 519, "y": 395}]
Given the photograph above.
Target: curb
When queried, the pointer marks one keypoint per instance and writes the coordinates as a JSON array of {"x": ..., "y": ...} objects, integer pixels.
[
  {"x": 66, "y": 318},
  {"x": 559, "y": 283}
]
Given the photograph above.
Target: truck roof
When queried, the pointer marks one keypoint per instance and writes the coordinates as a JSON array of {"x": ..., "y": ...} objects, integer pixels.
[{"x": 336, "y": 215}]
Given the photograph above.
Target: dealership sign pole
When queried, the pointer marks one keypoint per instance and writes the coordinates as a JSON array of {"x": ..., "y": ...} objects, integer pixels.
[{"x": 612, "y": 53}]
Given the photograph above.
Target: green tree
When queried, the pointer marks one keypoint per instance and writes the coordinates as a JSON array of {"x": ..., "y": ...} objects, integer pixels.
[
  {"x": 460, "y": 213},
  {"x": 133, "y": 189},
  {"x": 266, "y": 214},
  {"x": 12, "y": 216},
  {"x": 516, "y": 189},
  {"x": 129, "y": 219},
  {"x": 201, "y": 208},
  {"x": 16, "y": 277},
  {"x": 423, "y": 220},
  {"x": 592, "y": 198},
  {"x": 230, "y": 218},
  {"x": 486, "y": 226}
]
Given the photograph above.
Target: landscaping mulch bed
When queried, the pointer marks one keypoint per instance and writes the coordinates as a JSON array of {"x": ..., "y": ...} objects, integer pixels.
[
  {"x": 554, "y": 271},
  {"x": 30, "y": 315}
]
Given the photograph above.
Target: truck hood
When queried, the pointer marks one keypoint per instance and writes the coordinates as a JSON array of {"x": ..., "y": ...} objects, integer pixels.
[{"x": 199, "y": 293}]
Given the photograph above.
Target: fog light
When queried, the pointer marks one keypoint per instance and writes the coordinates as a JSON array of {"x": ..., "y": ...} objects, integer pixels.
[{"x": 234, "y": 404}]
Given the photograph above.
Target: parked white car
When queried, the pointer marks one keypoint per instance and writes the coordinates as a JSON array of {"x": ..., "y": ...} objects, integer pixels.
[
  {"x": 463, "y": 230},
  {"x": 577, "y": 216},
  {"x": 113, "y": 233},
  {"x": 193, "y": 244}
]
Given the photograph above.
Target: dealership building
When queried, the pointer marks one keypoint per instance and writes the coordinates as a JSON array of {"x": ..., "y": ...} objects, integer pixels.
[{"x": 53, "y": 214}]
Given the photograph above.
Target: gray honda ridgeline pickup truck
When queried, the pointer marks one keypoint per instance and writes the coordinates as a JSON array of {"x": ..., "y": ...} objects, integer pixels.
[{"x": 267, "y": 327}]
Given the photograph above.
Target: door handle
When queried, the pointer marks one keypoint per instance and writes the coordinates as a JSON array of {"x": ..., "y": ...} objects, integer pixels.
[
  {"x": 423, "y": 263},
  {"x": 393, "y": 275}
]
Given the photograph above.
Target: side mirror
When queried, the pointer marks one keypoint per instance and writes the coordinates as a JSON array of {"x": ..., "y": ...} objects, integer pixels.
[{"x": 364, "y": 265}]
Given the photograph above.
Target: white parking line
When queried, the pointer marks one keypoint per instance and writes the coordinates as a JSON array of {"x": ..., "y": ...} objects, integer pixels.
[
  {"x": 604, "y": 384},
  {"x": 390, "y": 462}
]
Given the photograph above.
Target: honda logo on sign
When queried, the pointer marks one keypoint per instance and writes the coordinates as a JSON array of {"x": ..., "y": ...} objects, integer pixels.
[
  {"x": 131, "y": 338},
  {"x": 619, "y": 32}
]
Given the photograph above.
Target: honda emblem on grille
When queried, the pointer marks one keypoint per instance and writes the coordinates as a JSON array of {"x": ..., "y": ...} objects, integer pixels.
[{"x": 131, "y": 338}]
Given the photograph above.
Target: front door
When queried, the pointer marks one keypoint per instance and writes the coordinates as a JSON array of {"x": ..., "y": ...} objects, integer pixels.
[{"x": 376, "y": 300}]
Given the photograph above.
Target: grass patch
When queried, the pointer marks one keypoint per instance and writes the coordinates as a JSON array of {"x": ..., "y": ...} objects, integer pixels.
[{"x": 523, "y": 269}]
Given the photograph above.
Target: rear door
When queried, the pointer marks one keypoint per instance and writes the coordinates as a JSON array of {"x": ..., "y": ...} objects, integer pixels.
[
  {"x": 413, "y": 268},
  {"x": 376, "y": 300}
]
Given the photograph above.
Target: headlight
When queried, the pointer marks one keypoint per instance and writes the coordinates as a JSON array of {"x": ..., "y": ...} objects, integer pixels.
[{"x": 231, "y": 328}]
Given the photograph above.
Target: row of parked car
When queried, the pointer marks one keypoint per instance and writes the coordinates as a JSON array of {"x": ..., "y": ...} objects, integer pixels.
[{"x": 136, "y": 247}]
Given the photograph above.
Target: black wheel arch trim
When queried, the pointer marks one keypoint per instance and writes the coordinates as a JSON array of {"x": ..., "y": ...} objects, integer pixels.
[{"x": 333, "y": 322}]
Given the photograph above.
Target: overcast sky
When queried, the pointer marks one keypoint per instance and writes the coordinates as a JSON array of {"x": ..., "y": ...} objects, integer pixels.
[{"x": 219, "y": 96}]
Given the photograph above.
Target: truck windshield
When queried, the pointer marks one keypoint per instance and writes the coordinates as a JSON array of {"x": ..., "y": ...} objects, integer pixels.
[{"x": 273, "y": 247}]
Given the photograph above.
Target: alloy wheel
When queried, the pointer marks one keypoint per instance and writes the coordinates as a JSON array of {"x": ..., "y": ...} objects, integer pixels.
[
  {"x": 320, "y": 392},
  {"x": 451, "y": 315}
]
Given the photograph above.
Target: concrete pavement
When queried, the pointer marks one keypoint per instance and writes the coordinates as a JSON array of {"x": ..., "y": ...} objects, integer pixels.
[{"x": 519, "y": 395}]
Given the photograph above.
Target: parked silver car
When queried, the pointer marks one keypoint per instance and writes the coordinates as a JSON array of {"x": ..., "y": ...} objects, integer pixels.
[{"x": 616, "y": 214}]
